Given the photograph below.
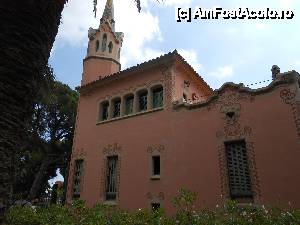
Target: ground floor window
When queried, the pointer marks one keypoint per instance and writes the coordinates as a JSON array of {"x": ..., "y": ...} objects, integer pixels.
[
  {"x": 111, "y": 179},
  {"x": 238, "y": 170},
  {"x": 155, "y": 206},
  {"x": 77, "y": 178},
  {"x": 156, "y": 165}
]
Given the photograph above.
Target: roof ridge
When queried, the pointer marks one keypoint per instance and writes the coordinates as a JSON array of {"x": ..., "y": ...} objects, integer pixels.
[{"x": 138, "y": 65}]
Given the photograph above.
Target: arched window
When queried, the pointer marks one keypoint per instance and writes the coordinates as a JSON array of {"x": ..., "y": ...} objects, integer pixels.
[
  {"x": 104, "y": 110},
  {"x": 104, "y": 40},
  {"x": 116, "y": 107},
  {"x": 129, "y": 104},
  {"x": 97, "y": 45},
  {"x": 143, "y": 100},
  {"x": 110, "y": 47},
  {"x": 157, "y": 97}
]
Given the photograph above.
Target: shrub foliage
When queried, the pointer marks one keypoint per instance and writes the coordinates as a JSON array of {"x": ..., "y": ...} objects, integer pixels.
[{"x": 229, "y": 214}]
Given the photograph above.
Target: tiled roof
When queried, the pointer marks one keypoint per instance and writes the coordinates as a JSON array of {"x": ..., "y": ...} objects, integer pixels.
[{"x": 144, "y": 65}]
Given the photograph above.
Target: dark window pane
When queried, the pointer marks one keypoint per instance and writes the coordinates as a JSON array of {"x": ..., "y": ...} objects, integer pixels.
[
  {"x": 158, "y": 98},
  {"x": 111, "y": 186},
  {"x": 238, "y": 170},
  {"x": 143, "y": 101},
  {"x": 77, "y": 178},
  {"x": 97, "y": 45},
  {"x": 110, "y": 47},
  {"x": 104, "y": 40},
  {"x": 155, "y": 206},
  {"x": 184, "y": 98},
  {"x": 156, "y": 165},
  {"x": 117, "y": 108},
  {"x": 129, "y": 105},
  {"x": 105, "y": 107}
]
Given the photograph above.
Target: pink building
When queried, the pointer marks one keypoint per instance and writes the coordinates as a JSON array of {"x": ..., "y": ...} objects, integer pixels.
[{"x": 144, "y": 132}]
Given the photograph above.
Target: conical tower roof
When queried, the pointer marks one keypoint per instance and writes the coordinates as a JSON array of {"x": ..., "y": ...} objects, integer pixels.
[{"x": 108, "y": 14}]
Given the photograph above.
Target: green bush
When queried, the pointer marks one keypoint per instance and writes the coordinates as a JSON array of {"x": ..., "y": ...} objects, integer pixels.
[
  {"x": 78, "y": 214},
  {"x": 22, "y": 216}
]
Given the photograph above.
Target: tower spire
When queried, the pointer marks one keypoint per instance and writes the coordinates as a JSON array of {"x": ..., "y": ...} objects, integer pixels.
[{"x": 108, "y": 14}]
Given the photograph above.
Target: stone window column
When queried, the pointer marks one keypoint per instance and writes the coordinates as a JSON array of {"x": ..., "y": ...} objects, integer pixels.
[
  {"x": 110, "y": 109},
  {"x": 123, "y": 105},
  {"x": 135, "y": 103},
  {"x": 149, "y": 99}
]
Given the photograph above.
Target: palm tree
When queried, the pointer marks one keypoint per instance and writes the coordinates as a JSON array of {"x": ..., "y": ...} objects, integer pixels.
[{"x": 27, "y": 32}]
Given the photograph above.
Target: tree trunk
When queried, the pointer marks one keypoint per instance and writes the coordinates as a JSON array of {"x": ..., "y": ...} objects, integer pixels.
[
  {"x": 27, "y": 32},
  {"x": 36, "y": 186}
]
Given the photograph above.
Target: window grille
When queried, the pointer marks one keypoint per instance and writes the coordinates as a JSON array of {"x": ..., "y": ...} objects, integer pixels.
[
  {"x": 117, "y": 108},
  {"x": 77, "y": 178},
  {"x": 238, "y": 170},
  {"x": 143, "y": 101},
  {"x": 104, "y": 115},
  {"x": 158, "y": 98},
  {"x": 129, "y": 105},
  {"x": 111, "y": 184},
  {"x": 156, "y": 165}
]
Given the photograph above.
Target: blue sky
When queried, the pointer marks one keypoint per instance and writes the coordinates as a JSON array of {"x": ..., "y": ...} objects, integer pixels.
[{"x": 241, "y": 51}]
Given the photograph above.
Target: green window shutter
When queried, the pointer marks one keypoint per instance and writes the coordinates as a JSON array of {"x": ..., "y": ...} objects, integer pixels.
[{"x": 238, "y": 169}]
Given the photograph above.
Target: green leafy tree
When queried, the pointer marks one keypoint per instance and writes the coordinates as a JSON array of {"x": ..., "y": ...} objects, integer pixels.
[{"x": 50, "y": 136}]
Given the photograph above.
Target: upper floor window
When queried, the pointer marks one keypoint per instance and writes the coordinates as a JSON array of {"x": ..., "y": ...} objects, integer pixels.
[
  {"x": 104, "y": 110},
  {"x": 143, "y": 100},
  {"x": 157, "y": 97},
  {"x": 77, "y": 178},
  {"x": 129, "y": 104},
  {"x": 111, "y": 178},
  {"x": 110, "y": 47},
  {"x": 238, "y": 170},
  {"x": 104, "y": 40},
  {"x": 117, "y": 107},
  {"x": 97, "y": 46}
]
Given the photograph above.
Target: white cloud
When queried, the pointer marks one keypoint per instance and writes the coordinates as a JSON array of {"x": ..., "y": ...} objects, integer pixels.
[
  {"x": 261, "y": 26},
  {"x": 286, "y": 4},
  {"x": 177, "y": 2},
  {"x": 145, "y": 55},
  {"x": 139, "y": 29},
  {"x": 191, "y": 57},
  {"x": 297, "y": 62},
  {"x": 223, "y": 72},
  {"x": 76, "y": 19},
  {"x": 52, "y": 52}
]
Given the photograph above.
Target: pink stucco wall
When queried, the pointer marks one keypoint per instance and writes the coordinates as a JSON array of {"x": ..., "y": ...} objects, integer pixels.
[{"x": 190, "y": 140}]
